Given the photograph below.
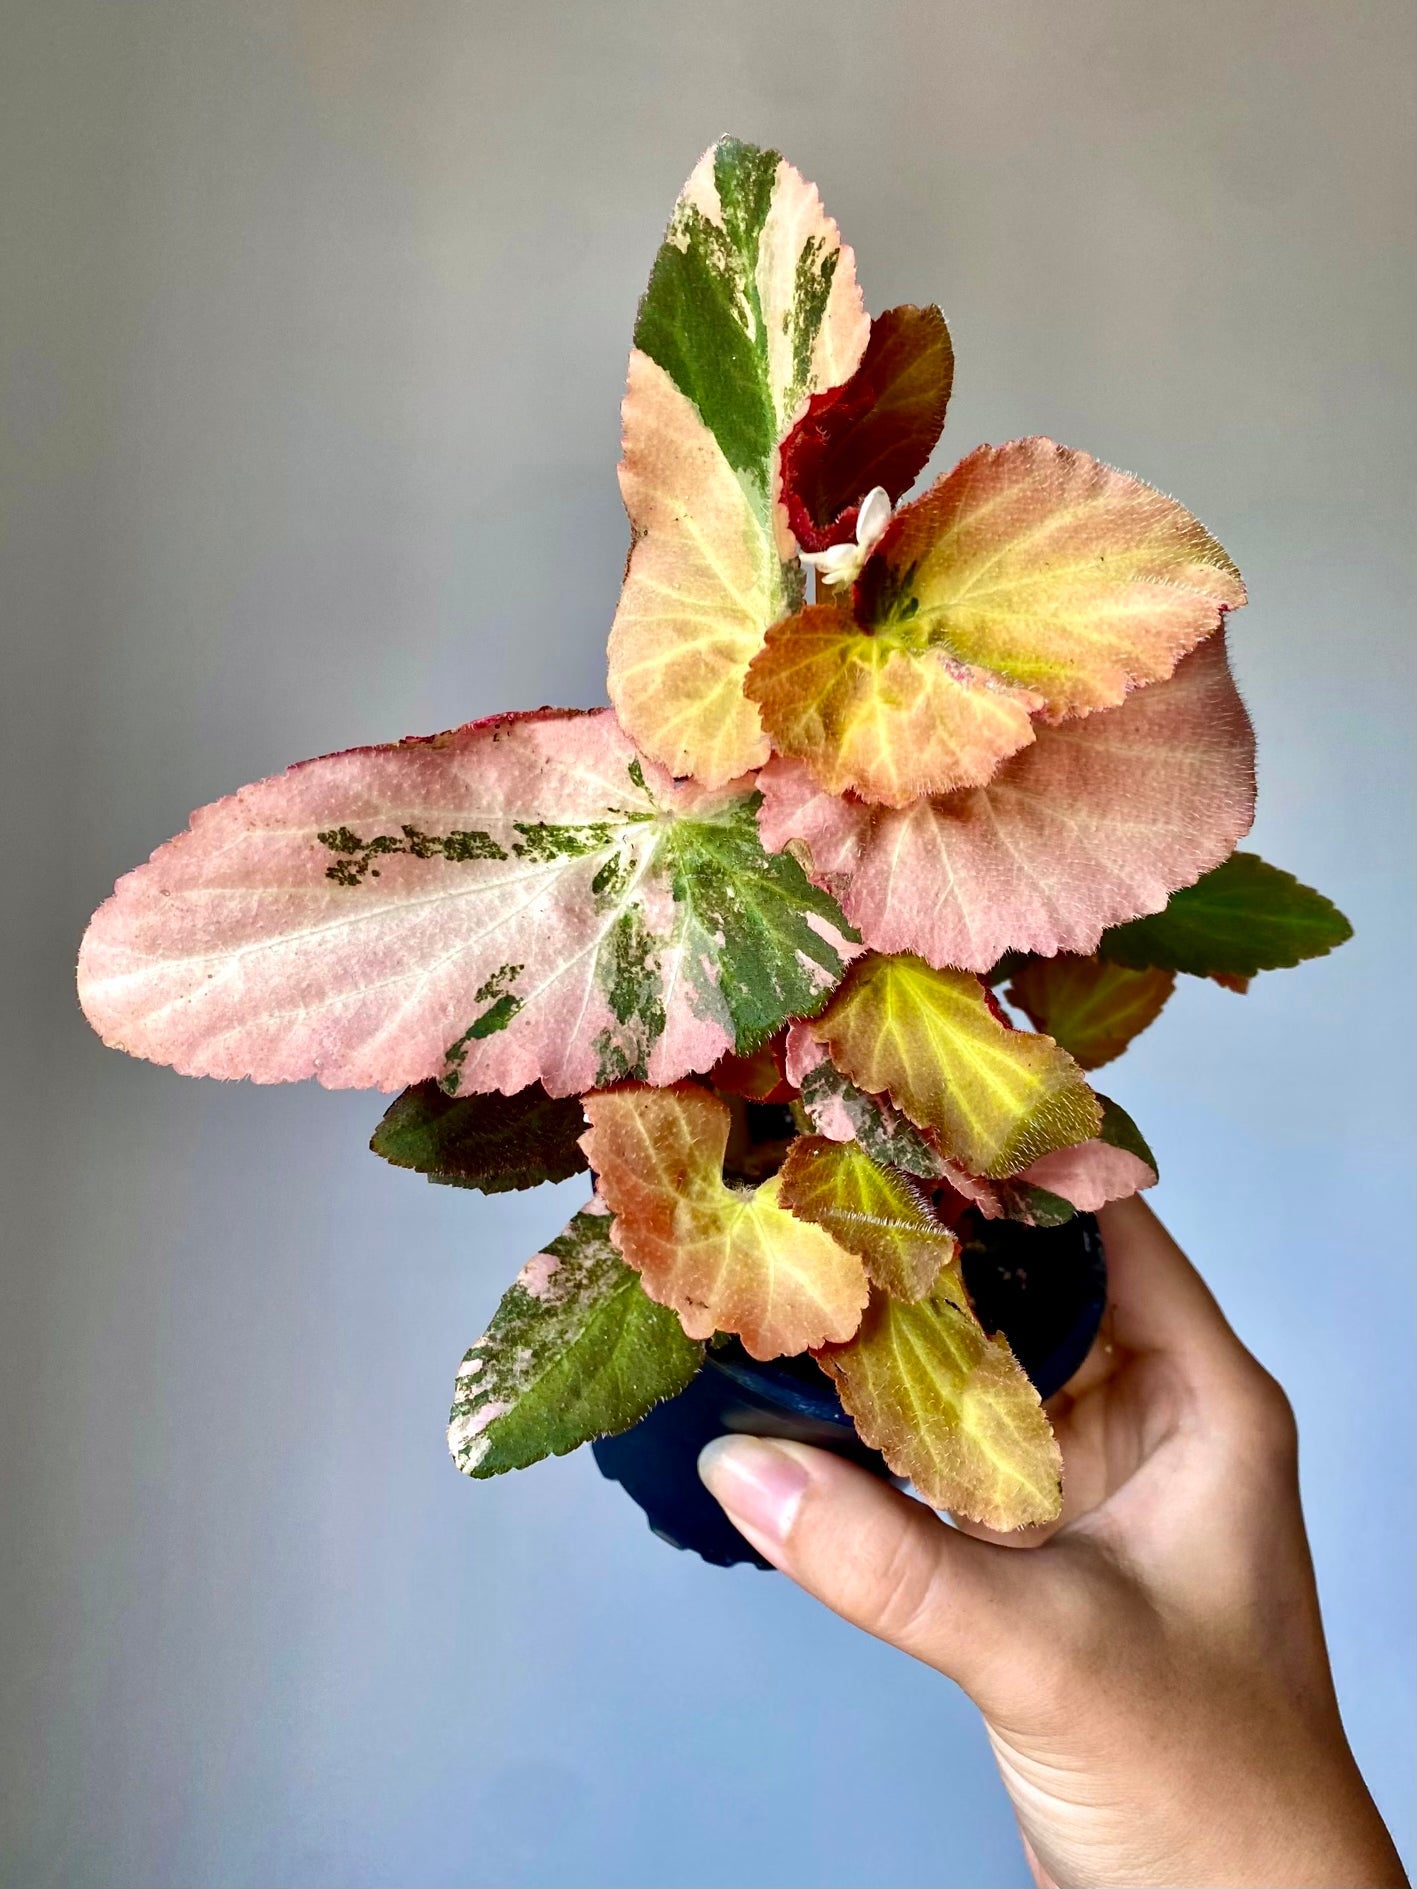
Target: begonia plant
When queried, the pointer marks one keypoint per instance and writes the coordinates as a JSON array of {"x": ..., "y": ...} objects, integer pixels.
[{"x": 791, "y": 877}]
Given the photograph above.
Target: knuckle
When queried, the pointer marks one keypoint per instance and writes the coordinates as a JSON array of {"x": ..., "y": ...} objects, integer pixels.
[{"x": 1272, "y": 1415}]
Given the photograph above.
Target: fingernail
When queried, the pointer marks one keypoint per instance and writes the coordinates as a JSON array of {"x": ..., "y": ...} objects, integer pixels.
[{"x": 758, "y": 1484}]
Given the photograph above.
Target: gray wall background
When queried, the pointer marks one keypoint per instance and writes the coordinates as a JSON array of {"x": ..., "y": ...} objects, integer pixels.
[{"x": 315, "y": 319}]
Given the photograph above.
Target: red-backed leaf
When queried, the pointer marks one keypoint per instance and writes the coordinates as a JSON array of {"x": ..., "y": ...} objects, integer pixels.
[
  {"x": 1096, "y": 823},
  {"x": 523, "y": 899},
  {"x": 727, "y": 1259},
  {"x": 758, "y": 1077},
  {"x": 877, "y": 429}
]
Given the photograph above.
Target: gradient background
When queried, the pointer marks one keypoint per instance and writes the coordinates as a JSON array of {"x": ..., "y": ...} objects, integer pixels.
[{"x": 315, "y": 326}]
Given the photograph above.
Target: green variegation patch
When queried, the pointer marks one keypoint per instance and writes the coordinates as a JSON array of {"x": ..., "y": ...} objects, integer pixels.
[
  {"x": 746, "y": 911},
  {"x": 575, "y": 1350},
  {"x": 738, "y": 308}
]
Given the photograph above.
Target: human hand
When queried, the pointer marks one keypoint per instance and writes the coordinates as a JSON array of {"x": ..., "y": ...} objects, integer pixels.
[{"x": 1151, "y": 1668}]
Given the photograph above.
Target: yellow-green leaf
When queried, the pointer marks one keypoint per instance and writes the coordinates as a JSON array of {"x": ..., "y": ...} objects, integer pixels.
[
  {"x": 878, "y": 1212},
  {"x": 995, "y": 1098},
  {"x": 950, "y": 1408},
  {"x": 726, "y": 1258},
  {"x": 1058, "y": 573},
  {"x": 880, "y": 714}
]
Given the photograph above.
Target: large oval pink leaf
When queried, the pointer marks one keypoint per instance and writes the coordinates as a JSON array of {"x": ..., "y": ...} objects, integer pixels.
[
  {"x": 1098, "y": 822},
  {"x": 524, "y": 899}
]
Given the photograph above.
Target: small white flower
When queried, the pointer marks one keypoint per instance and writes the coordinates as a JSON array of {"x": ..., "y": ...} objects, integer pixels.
[{"x": 841, "y": 563}]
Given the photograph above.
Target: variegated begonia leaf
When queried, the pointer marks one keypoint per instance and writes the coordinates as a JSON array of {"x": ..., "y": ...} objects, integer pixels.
[
  {"x": 523, "y": 899},
  {"x": 1091, "y": 1007},
  {"x": 752, "y": 306},
  {"x": 758, "y": 1077},
  {"x": 949, "y": 1407},
  {"x": 842, "y": 1112},
  {"x": 491, "y": 1142},
  {"x": 1100, "y": 820},
  {"x": 1079, "y": 1178},
  {"x": 881, "y": 1213},
  {"x": 1031, "y": 579},
  {"x": 1240, "y": 919},
  {"x": 876, "y": 429},
  {"x": 995, "y": 1099},
  {"x": 575, "y": 1350},
  {"x": 726, "y": 1259}
]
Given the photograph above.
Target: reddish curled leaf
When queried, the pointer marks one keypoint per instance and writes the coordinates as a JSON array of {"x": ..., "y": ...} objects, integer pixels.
[
  {"x": 1096, "y": 823},
  {"x": 878, "y": 1212},
  {"x": 1092, "y": 1008},
  {"x": 950, "y": 1408},
  {"x": 879, "y": 428},
  {"x": 725, "y": 1259},
  {"x": 522, "y": 899},
  {"x": 758, "y": 1077},
  {"x": 993, "y": 1098}
]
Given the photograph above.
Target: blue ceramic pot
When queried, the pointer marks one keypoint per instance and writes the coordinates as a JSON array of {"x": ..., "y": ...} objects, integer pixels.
[{"x": 1044, "y": 1287}]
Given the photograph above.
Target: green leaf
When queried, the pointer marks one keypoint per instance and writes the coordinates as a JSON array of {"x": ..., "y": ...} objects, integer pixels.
[
  {"x": 746, "y": 912},
  {"x": 491, "y": 1142},
  {"x": 1118, "y": 1130},
  {"x": 1243, "y": 918},
  {"x": 576, "y": 1350}
]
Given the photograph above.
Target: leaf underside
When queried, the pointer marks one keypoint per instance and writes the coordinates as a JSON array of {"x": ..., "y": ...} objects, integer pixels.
[{"x": 1092, "y": 1008}]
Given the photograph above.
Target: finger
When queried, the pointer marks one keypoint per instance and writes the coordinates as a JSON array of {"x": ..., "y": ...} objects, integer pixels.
[
  {"x": 879, "y": 1559},
  {"x": 1156, "y": 1300}
]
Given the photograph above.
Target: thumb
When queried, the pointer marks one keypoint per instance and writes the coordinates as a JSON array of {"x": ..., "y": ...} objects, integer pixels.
[{"x": 880, "y": 1559}]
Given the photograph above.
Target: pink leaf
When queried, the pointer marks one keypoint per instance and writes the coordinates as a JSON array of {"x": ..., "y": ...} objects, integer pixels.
[
  {"x": 500, "y": 905},
  {"x": 1098, "y": 822}
]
